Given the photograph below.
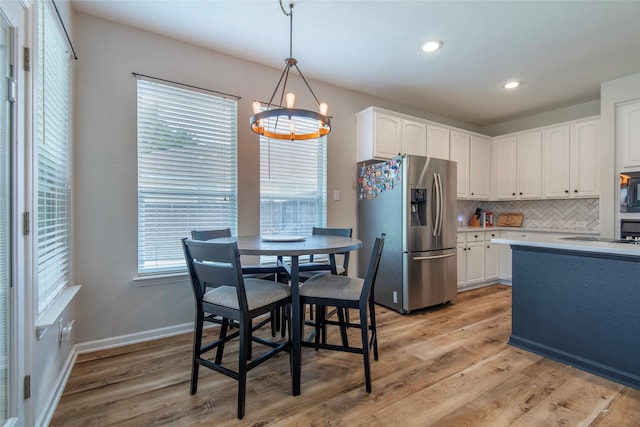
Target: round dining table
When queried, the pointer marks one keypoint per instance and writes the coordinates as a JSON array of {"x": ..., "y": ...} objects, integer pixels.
[{"x": 293, "y": 247}]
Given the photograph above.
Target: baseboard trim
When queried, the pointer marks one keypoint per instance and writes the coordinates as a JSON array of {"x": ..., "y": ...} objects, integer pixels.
[
  {"x": 56, "y": 394},
  {"x": 135, "y": 338}
]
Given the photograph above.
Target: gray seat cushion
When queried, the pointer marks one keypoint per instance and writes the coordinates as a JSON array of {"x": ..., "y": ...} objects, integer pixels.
[
  {"x": 332, "y": 286},
  {"x": 259, "y": 293}
]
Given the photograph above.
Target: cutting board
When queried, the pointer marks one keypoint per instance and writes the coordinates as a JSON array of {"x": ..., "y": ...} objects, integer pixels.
[{"x": 510, "y": 220}]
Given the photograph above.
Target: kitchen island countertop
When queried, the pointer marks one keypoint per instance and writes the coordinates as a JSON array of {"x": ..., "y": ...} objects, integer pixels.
[{"x": 560, "y": 243}]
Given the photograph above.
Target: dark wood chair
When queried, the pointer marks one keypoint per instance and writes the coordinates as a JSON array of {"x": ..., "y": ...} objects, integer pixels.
[
  {"x": 330, "y": 290},
  {"x": 313, "y": 267},
  {"x": 326, "y": 266},
  {"x": 256, "y": 272},
  {"x": 235, "y": 299}
]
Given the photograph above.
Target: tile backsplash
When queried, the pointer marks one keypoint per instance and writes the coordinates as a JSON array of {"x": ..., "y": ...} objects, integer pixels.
[{"x": 582, "y": 214}]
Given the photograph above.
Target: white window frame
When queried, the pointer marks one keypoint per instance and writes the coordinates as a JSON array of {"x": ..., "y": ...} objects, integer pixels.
[{"x": 187, "y": 161}]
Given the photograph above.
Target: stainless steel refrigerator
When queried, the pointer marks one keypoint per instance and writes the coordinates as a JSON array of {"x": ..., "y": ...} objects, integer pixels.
[{"x": 412, "y": 200}]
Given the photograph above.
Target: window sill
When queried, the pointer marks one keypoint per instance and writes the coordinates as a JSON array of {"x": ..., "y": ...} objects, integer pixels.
[
  {"x": 52, "y": 313},
  {"x": 161, "y": 279}
]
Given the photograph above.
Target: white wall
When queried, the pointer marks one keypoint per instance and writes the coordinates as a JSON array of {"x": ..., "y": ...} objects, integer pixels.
[
  {"x": 611, "y": 93},
  {"x": 565, "y": 114}
]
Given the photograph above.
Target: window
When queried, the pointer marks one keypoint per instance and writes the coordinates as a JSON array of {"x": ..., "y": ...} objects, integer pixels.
[
  {"x": 293, "y": 184},
  {"x": 187, "y": 163},
  {"x": 6, "y": 116},
  {"x": 53, "y": 156}
]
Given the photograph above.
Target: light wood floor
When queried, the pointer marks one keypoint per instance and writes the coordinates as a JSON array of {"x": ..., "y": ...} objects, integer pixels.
[{"x": 445, "y": 367}]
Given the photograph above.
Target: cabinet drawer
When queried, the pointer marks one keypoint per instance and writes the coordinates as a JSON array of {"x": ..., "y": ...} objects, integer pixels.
[
  {"x": 490, "y": 235},
  {"x": 475, "y": 236}
]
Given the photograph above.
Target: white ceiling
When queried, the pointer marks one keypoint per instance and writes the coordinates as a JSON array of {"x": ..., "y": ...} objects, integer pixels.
[{"x": 561, "y": 50}]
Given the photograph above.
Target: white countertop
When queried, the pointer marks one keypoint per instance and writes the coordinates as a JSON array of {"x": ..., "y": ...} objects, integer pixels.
[
  {"x": 555, "y": 242},
  {"x": 572, "y": 231}
]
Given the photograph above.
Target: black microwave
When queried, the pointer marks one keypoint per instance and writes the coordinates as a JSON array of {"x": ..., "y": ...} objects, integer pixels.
[{"x": 630, "y": 192}]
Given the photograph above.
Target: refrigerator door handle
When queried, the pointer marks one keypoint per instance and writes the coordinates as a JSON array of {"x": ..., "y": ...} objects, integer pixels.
[
  {"x": 424, "y": 258},
  {"x": 438, "y": 200}
]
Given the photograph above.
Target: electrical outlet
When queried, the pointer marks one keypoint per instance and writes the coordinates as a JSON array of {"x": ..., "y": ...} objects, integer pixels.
[
  {"x": 60, "y": 330},
  {"x": 395, "y": 297}
]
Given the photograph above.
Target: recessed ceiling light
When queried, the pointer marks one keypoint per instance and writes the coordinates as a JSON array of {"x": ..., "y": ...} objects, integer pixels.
[
  {"x": 512, "y": 85},
  {"x": 432, "y": 45}
]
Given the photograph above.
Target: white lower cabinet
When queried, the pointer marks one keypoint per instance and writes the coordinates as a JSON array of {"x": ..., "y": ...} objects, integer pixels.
[
  {"x": 478, "y": 259},
  {"x": 491, "y": 257}
]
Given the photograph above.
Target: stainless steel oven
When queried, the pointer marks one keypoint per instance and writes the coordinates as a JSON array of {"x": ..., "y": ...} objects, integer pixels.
[
  {"x": 630, "y": 230},
  {"x": 630, "y": 192}
]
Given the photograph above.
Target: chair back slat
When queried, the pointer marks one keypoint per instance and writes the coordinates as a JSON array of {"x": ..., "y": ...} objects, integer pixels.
[
  {"x": 340, "y": 232},
  {"x": 372, "y": 269},
  {"x": 210, "y": 234},
  {"x": 213, "y": 264}
]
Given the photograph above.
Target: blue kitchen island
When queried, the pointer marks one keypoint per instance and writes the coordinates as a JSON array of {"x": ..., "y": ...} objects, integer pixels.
[{"x": 578, "y": 302}]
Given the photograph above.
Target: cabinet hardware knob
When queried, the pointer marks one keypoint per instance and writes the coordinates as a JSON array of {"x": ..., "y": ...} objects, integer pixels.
[
  {"x": 513, "y": 194},
  {"x": 575, "y": 191},
  {"x": 521, "y": 193},
  {"x": 566, "y": 191}
]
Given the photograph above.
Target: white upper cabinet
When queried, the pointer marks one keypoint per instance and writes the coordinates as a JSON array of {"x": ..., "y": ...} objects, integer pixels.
[
  {"x": 437, "y": 141},
  {"x": 628, "y": 134},
  {"x": 504, "y": 167},
  {"x": 569, "y": 160},
  {"x": 479, "y": 167},
  {"x": 460, "y": 153},
  {"x": 529, "y": 167},
  {"x": 414, "y": 137},
  {"x": 518, "y": 166},
  {"x": 556, "y": 152},
  {"x": 585, "y": 168},
  {"x": 381, "y": 134},
  {"x": 472, "y": 154}
]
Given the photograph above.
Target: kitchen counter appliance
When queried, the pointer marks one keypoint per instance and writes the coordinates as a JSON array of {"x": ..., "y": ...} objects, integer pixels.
[{"x": 412, "y": 199}]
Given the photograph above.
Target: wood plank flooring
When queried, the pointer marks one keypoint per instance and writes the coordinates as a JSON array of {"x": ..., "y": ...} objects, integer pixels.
[{"x": 442, "y": 367}]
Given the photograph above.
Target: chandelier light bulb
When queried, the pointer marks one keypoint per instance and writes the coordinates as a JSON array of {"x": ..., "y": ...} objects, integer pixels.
[
  {"x": 324, "y": 108},
  {"x": 291, "y": 100},
  {"x": 256, "y": 107}
]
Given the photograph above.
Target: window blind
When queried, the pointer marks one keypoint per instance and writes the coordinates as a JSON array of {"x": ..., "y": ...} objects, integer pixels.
[
  {"x": 5, "y": 223},
  {"x": 187, "y": 163},
  {"x": 293, "y": 183},
  {"x": 53, "y": 158}
]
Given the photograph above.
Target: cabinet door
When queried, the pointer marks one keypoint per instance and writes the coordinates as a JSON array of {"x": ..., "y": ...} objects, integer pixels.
[
  {"x": 556, "y": 143},
  {"x": 628, "y": 132},
  {"x": 504, "y": 166},
  {"x": 414, "y": 138},
  {"x": 479, "y": 167},
  {"x": 460, "y": 253},
  {"x": 437, "y": 142},
  {"x": 387, "y": 136},
  {"x": 475, "y": 263},
  {"x": 584, "y": 160},
  {"x": 460, "y": 154},
  {"x": 529, "y": 165},
  {"x": 492, "y": 259}
]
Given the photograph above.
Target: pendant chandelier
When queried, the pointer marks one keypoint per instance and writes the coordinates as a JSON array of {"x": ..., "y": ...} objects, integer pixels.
[{"x": 277, "y": 121}]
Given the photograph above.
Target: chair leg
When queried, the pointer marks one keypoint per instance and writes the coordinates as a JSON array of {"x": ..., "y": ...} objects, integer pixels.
[
  {"x": 224, "y": 327},
  {"x": 374, "y": 332},
  {"x": 245, "y": 345},
  {"x": 197, "y": 344},
  {"x": 343, "y": 327},
  {"x": 364, "y": 329}
]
